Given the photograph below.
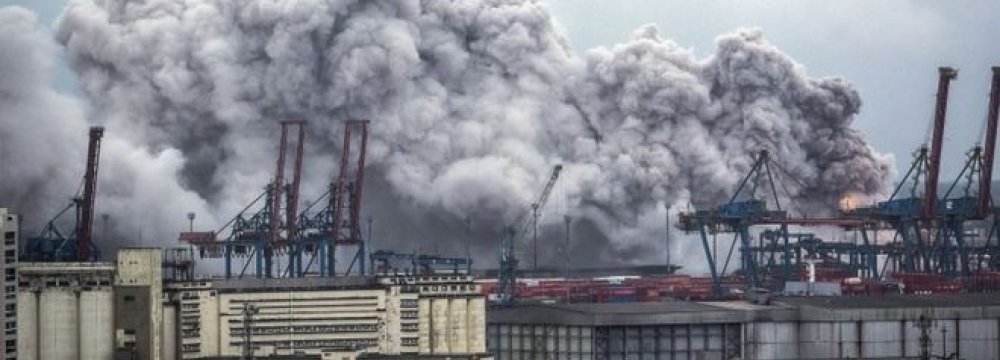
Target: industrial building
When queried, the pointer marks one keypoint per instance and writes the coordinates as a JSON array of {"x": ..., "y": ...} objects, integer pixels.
[
  {"x": 336, "y": 317},
  {"x": 126, "y": 310},
  {"x": 965, "y": 326},
  {"x": 65, "y": 311},
  {"x": 138, "y": 304},
  {"x": 10, "y": 228}
]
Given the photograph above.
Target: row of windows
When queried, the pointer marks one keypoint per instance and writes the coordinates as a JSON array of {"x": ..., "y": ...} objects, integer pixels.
[
  {"x": 448, "y": 288},
  {"x": 235, "y": 321},
  {"x": 306, "y": 329},
  {"x": 411, "y": 279},
  {"x": 329, "y": 343},
  {"x": 55, "y": 283}
]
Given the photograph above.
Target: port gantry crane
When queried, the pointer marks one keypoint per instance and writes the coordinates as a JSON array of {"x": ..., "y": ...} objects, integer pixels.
[
  {"x": 384, "y": 262},
  {"x": 338, "y": 223},
  {"x": 513, "y": 234},
  {"x": 909, "y": 213},
  {"x": 52, "y": 244},
  {"x": 261, "y": 235},
  {"x": 929, "y": 232},
  {"x": 969, "y": 199},
  {"x": 748, "y": 207}
]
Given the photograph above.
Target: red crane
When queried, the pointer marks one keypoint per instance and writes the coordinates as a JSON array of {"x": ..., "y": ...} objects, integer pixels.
[
  {"x": 291, "y": 191},
  {"x": 85, "y": 217},
  {"x": 945, "y": 75},
  {"x": 986, "y": 174},
  {"x": 345, "y": 199}
]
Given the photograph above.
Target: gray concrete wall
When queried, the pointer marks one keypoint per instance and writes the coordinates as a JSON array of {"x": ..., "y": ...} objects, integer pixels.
[
  {"x": 817, "y": 333},
  {"x": 688, "y": 341}
]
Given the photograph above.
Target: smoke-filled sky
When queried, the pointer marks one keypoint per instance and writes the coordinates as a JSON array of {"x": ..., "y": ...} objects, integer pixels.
[{"x": 471, "y": 104}]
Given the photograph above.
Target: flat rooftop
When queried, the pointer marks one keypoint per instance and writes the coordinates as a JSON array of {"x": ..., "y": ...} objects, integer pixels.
[
  {"x": 829, "y": 308},
  {"x": 893, "y": 301},
  {"x": 63, "y": 267},
  {"x": 292, "y": 284}
]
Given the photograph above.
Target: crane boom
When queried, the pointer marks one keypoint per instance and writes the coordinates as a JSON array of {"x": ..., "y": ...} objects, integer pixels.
[
  {"x": 543, "y": 197},
  {"x": 507, "y": 278},
  {"x": 85, "y": 222},
  {"x": 945, "y": 76},
  {"x": 986, "y": 175},
  {"x": 540, "y": 201}
]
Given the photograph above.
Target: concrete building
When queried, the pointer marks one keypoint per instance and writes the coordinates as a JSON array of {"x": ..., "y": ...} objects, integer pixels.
[
  {"x": 125, "y": 310},
  {"x": 10, "y": 229},
  {"x": 335, "y": 318},
  {"x": 65, "y": 311},
  {"x": 138, "y": 303},
  {"x": 890, "y": 327}
]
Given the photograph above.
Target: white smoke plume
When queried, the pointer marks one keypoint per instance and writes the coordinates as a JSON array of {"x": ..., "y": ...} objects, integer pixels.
[
  {"x": 472, "y": 103},
  {"x": 43, "y": 141}
]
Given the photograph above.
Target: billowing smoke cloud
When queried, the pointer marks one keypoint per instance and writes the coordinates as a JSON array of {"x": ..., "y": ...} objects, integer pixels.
[
  {"x": 43, "y": 141},
  {"x": 472, "y": 103}
]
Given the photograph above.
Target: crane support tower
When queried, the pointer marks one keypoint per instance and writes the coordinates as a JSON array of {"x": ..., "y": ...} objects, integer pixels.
[{"x": 512, "y": 235}]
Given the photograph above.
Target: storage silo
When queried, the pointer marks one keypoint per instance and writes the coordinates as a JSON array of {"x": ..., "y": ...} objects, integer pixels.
[
  {"x": 424, "y": 325},
  {"x": 58, "y": 324},
  {"x": 439, "y": 326},
  {"x": 27, "y": 325},
  {"x": 457, "y": 324},
  {"x": 477, "y": 324},
  {"x": 97, "y": 323},
  {"x": 169, "y": 332}
]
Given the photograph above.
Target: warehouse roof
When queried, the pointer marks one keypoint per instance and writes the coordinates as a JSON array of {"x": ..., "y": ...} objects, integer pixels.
[
  {"x": 894, "y": 301},
  {"x": 671, "y": 312},
  {"x": 285, "y": 284},
  {"x": 830, "y": 308}
]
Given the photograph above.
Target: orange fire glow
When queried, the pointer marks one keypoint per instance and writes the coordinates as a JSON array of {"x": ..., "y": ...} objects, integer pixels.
[{"x": 849, "y": 202}]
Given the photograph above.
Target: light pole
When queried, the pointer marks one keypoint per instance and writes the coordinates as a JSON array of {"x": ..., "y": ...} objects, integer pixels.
[
  {"x": 191, "y": 216},
  {"x": 249, "y": 310}
]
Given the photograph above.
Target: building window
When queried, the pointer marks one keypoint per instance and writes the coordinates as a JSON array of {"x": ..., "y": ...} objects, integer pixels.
[{"x": 129, "y": 298}]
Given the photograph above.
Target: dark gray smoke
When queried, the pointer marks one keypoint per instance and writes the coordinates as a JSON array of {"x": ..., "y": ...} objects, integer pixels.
[{"x": 472, "y": 103}]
